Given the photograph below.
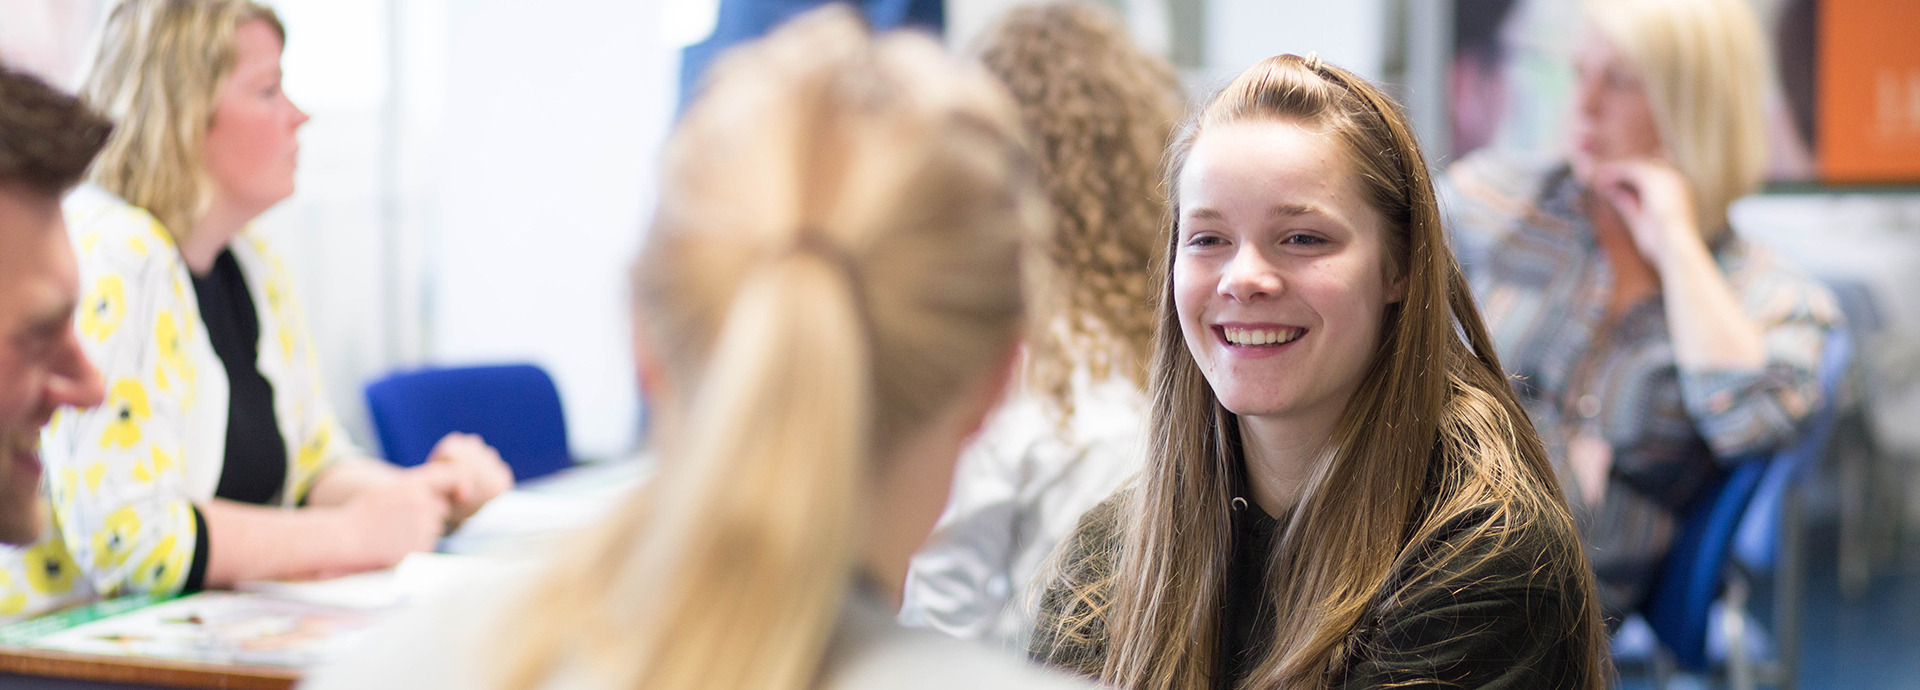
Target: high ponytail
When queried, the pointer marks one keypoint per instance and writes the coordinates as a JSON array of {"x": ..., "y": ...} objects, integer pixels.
[
  {"x": 756, "y": 517},
  {"x": 836, "y": 257}
]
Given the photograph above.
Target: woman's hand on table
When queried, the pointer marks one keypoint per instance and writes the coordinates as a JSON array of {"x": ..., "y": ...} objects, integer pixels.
[
  {"x": 1657, "y": 204},
  {"x": 394, "y": 518},
  {"x": 468, "y": 471}
]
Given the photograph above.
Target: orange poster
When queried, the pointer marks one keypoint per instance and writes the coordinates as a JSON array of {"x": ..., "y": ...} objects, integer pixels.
[{"x": 1869, "y": 85}]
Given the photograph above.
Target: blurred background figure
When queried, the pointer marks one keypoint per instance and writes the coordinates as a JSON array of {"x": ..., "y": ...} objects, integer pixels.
[
  {"x": 827, "y": 306},
  {"x": 47, "y": 138},
  {"x": 215, "y": 423},
  {"x": 1650, "y": 342},
  {"x": 1099, "y": 112},
  {"x": 1477, "y": 78}
]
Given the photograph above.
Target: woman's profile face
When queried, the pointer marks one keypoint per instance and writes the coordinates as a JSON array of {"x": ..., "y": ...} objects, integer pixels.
[
  {"x": 1612, "y": 119},
  {"x": 251, "y": 150},
  {"x": 1280, "y": 269}
]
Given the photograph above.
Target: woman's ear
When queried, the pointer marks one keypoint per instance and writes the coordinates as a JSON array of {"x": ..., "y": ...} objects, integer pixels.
[
  {"x": 987, "y": 397},
  {"x": 653, "y": 383},
  {"x": 1397, "y": 287}
]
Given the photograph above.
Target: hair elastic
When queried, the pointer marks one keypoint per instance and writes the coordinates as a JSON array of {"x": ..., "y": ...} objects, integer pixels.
[{"x": 814, "y": 242}]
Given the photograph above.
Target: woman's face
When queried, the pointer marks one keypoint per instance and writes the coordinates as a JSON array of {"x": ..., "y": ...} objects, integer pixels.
[
  {"x": 251, "y": 150},
  {"x": 1612, "y": 119},
  {"x": 1280, "y": 273}
]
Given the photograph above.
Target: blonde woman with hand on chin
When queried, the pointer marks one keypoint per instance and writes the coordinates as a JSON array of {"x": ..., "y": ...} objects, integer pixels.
[
  {"x": 1342, "y": 491},
  {"x": 216, "y": 457},
  {"x": 1649, "y": 342},
  {"x": 826, "y": 308}
]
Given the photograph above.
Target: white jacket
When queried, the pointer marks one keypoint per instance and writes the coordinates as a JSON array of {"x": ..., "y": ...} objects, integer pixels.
[{"x": 1017, "y": 492}]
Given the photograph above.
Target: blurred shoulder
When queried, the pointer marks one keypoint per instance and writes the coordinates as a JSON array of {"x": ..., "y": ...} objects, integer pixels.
[
  {"x": 1773, "y": 287},
  {"x": 1501, "y": 175},
  {"x": 1070, "y": 628},
  {"x": 1490, "y": 190},
  {"x": 253, "y": 247},
  {"x": 113, "y": 237},
  {"x": 1095, "y": 540},
  {"x": 1492, "y": 551}
]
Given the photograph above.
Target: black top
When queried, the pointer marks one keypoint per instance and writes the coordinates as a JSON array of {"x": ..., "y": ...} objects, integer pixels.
[
  {"x": 1492, "y": 615},
  {"x": 1246, "y": 605},
  {"x": 254, "y": 465}
]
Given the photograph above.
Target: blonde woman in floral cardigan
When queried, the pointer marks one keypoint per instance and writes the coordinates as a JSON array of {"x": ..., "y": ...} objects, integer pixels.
[{"x": 215, "y": 458}]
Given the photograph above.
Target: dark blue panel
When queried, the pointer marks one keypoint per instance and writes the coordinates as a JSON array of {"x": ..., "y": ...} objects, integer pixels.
[
  {"x": 515, "y": 408},
  {"x": 745, "y": 20}
]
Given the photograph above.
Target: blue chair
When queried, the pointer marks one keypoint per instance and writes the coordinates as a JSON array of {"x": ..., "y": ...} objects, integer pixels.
[
  {"x": 1738, "y": 522},
  {"x": 515, "y": 408},
  {"x": 1680, "y": 604}
]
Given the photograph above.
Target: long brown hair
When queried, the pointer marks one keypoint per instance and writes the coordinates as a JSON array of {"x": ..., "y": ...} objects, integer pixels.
[
  {"x": 1433, "y": 437},
  {"x": 836, "y": 257},
  {"x": 1100, "y": 111}
]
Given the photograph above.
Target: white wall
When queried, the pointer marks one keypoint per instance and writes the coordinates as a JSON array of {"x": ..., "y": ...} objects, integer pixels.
[
  {"x": 1348, "y": 33},
  {"x": 474, "y": 194},
  {"x": 331, "y": 231},
  {"x": 554, "y": 112}
]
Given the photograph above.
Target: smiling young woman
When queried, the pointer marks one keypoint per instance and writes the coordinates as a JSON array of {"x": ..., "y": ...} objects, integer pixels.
[{"x": 1341, "y": 489}]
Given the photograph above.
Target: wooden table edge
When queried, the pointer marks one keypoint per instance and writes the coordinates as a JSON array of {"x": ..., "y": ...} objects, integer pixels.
[{"x": 170, "y": 673}]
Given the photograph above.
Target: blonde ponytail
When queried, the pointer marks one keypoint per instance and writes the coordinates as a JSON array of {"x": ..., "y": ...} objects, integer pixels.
[
  {"x": 836, "y": 256},
  {"x": 756, "y": 517}
]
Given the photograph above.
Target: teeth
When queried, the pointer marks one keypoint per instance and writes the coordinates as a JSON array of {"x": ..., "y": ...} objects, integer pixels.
[{"x": 1256, "y": 337}]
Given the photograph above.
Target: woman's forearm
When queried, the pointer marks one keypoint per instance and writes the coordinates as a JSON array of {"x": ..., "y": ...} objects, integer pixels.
[
  {"x": 250, "y": 542},
  {"x": 1710, "y": 329},
  {"x": 363, "y": 514},
  {"x": 347, "y": 478}
]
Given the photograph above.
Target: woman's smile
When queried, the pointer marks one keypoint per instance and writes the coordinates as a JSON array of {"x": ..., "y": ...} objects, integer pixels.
[{"x": 1257, "y": 340}]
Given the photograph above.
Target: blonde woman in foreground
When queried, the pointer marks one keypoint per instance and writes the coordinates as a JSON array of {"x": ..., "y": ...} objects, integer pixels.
[
  {"x": 1100, "y": 112},
  {"x": 827, "y": 307},
  {"x": 1342, "y": 490}
]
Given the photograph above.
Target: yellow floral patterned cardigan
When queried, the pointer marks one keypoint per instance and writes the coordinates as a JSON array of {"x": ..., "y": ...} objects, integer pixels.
[{"x": 122, "y": 478}]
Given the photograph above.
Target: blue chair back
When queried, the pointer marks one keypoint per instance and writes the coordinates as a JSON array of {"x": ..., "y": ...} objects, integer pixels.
[
  {"x": 515, "y": 408},
  {"x": 1679, "y": 607},
  {"x": 1756, "y": 543}
]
